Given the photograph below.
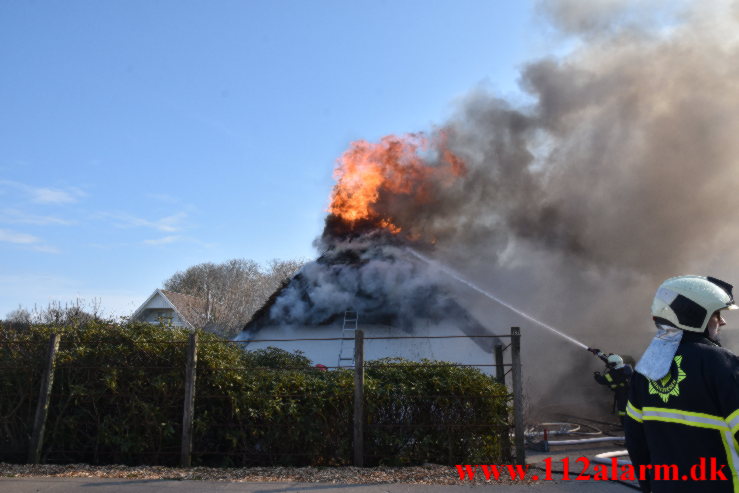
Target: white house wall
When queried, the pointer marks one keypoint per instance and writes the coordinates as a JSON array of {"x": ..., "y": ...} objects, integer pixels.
[{"x": 458, "y": 350}]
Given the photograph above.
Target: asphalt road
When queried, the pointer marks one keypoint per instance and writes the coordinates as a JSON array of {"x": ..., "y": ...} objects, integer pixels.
[{"x": 97, "y": 485}]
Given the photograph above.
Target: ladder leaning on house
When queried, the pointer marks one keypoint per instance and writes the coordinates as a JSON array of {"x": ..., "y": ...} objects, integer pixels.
[{"x": 348, "y": 331}]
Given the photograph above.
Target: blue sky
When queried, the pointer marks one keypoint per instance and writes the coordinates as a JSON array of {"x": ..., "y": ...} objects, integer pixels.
[{"x": 138, "y": 138}]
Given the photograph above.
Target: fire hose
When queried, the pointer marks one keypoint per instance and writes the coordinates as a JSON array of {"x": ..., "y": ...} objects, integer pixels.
[
  {"x": 600, "y": 354},
  {"x": 589, "y": 435}
]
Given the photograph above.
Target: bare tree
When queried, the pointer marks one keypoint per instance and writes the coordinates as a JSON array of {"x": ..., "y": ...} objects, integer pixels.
[
  {"x": 232, "y": 290},
  {"x": 19, "y": 318},
  {"x": 78, "y": 312}
]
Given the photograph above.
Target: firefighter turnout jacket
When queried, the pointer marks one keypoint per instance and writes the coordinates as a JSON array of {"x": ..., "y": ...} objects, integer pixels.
[
  {"x": 617, "y": 379},
  {"x": 687, "y": 418}
]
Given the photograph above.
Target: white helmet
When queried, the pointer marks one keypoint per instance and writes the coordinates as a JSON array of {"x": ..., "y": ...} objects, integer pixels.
[
  {"x": 615, "y": 361},
  {"x": 687, "y": 302}
]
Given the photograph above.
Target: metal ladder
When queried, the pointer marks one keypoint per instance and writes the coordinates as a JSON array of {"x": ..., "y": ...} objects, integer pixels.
[{"x": 348, "y": 330}]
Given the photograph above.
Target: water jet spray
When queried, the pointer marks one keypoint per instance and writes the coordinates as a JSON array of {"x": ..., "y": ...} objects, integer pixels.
[{"x": 451, "y": 273}]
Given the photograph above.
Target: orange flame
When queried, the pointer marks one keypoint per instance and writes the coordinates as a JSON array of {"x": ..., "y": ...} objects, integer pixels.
[{"x": 392, "y": 166}]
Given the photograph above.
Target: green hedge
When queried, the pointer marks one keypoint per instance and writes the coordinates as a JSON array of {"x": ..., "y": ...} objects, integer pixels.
[{"x": 118, "y": 393}]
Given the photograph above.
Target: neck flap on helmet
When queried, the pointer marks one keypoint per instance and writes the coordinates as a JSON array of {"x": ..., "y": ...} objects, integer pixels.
[{"x": 656, "y": 361}]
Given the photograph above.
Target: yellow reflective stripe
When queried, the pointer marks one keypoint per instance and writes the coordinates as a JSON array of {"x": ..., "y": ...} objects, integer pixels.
[
  {"x": 633, "y": 412},
  {"x": 633, "y": 416},
  {"x": 689, "y": 418},
  {"x": 686, "y": 413},
  {"x": 609, "y": 378},
  {"x": 733, "y": 421},
  {"x": 702, "y": 420},
  {"x": 687, "y": 422},
  {"x": 727, "y": 437}
]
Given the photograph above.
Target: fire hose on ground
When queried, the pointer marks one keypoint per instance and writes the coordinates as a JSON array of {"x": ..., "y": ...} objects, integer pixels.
[{"x": 538, "y": 435}]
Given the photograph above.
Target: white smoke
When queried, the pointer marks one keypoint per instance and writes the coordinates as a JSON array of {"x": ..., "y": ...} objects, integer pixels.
[{"x": 379, "y": 281}]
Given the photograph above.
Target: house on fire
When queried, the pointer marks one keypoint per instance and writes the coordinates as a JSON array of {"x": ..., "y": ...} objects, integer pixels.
[{"x": 400, "y": 304}]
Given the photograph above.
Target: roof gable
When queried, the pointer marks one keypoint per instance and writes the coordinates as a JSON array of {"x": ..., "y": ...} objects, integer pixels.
[{"x": 191, "y": 310}]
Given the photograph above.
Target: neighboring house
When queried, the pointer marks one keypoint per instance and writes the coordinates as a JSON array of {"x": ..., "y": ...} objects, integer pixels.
[{"x": 181, "y": 310}]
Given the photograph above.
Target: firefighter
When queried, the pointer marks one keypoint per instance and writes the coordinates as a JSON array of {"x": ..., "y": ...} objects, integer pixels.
[
  {"x": 616, "y": 376},
  {"x": 683, "y": 406}
]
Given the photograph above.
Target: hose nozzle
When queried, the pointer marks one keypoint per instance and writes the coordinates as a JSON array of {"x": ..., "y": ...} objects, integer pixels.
[{"x": 599, "y": 353}]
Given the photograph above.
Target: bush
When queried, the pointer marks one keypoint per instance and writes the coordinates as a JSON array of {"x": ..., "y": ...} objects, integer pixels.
[
  {"x": 434, "y": 412},
  {"x": 118, "y": 396}
]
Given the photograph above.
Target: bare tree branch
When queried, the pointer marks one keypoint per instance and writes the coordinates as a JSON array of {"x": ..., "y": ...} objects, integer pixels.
[{"x": 233, "y": 290}]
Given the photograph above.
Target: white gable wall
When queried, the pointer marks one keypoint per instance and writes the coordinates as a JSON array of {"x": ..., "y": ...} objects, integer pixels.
[
  {"x": 158, "y": 301},
  {"x": 157, "y": 308}
]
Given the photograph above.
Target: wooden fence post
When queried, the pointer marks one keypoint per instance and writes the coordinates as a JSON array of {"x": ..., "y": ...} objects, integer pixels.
[
  {"x": 517, "y": 395},
  {"x": 189, "y": 405},
  {"x": 359, "y": 398},
  {"x": 42, "y": 405},
  {"x": 499, "y": 368}
]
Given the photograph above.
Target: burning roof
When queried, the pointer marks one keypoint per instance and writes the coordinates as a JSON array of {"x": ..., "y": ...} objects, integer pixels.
[
  {"x": 377, "y": 182},
  {"x": 364, "y": 266},
  {"x": 380, "y": 282}
]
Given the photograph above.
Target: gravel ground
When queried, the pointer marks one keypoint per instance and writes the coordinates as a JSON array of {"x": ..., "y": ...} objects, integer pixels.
[{"x": 429, "y": 474}]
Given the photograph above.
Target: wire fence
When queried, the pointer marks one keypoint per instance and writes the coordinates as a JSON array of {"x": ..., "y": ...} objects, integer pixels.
[{"x": 201, "y": 400}]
